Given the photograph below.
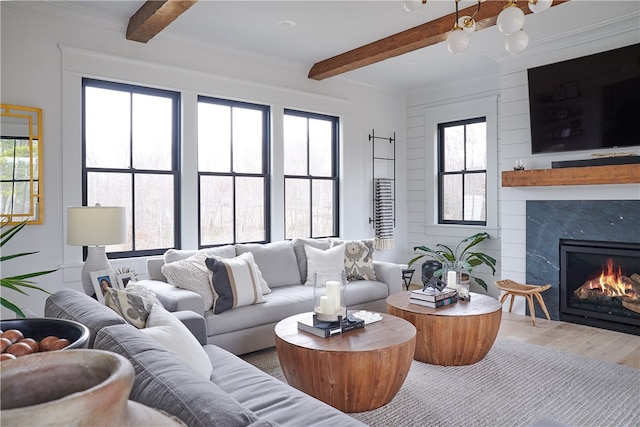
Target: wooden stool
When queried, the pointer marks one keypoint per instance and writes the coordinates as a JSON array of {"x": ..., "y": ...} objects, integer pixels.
[{"x": 517, "y": 289}]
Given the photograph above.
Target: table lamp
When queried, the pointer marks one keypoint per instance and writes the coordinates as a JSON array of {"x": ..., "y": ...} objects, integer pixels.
[{"x": 95, "y": 227}]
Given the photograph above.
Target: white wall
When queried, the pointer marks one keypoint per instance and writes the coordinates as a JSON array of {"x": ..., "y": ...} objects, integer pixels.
[
  {"x": 510, "y": 84},
  {"x": 47, "y": 50},
  {"x": 515, "y": 138}
]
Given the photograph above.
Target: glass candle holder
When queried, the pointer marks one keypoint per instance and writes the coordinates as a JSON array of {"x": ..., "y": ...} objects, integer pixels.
[
  {"x": 329, "y": 296},
  {"x": 463, "y": 292},
  {"x": 452, "y": 274}
]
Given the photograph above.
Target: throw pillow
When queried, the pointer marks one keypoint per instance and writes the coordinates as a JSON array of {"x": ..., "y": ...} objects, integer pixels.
[
  {"x": 301, "y": 256},
  {"x": 165, "y": 329},
  {"x": 235, "y": 281},
  {"x": 191, "y": 274},
  {"x": 173, "y": 255},
  {"x": 358, "y": 260},
  {"x": 276, "y": 261},
  {"x": 319, "y": 260},
  {"x": 134, "y": 307}
]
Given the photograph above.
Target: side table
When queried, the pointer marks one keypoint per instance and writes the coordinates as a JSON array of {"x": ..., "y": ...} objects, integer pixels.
[{"x": 407, "y": 275}]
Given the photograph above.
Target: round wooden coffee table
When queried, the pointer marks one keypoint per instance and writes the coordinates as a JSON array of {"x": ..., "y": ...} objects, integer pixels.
[
  {"x": 357, "y": 371},
  {"x": 457, "y": 334}
]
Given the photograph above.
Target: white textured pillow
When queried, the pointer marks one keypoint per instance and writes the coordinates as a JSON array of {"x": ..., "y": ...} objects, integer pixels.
[
  {"x": 191, "y": 274},
  {"x": 319, "y": 260},
  {"x": 165, "y": 329},
  {"x": 235, "y": 281}
]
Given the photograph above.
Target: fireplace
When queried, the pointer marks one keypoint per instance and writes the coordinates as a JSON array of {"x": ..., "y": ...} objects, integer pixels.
[{"x": 600, "y": 284}]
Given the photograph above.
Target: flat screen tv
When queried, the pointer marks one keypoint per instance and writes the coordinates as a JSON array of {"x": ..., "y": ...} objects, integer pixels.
[{"x": 587, "y": 103}]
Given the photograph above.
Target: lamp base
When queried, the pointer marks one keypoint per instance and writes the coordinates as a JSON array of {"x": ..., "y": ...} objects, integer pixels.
[{"x": 96, "y": 260}]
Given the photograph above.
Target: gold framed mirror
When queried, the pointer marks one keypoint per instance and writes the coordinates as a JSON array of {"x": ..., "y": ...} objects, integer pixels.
[{"x": 21, "y": 164}]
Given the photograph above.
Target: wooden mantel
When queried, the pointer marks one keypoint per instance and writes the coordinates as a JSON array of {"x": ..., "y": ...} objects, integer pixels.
[{"x": 588, "y": 175}]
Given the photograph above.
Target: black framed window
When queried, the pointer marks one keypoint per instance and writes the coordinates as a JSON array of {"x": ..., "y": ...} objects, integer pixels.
[
  {"x": 130, "y": 150},
  {"x": 310, "y": 175},
  {"x": 233, "y": 172},
  {"x": 462, "y": 172}
]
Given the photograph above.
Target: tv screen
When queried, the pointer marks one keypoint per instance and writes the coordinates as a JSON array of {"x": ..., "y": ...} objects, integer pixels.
[{"x": 587, "y": 103}]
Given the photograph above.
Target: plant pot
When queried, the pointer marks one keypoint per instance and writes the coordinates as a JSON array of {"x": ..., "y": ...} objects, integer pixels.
[
  {"x": 74, "y": 387},
  {"x": 428, "y": 268}
]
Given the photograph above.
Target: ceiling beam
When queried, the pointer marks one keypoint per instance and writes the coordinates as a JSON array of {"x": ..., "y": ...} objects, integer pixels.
[
  {"x": 155, "y": 16},
  {"x": 415, "y": 38}
]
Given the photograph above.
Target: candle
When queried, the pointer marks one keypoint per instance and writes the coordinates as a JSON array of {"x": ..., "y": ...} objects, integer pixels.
[
  {"x": 333, "y": 291},
  {"x": 451, "y": 278},
  {"x": 327, "y": 305}
]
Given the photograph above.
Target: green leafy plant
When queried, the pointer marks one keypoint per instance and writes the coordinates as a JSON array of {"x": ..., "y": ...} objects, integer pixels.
[
  {"x": 17, "y": 283},
  {"x": 467, "y": 259}
]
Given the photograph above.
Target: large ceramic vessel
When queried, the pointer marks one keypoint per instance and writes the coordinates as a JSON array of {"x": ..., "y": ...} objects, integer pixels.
[{"x": 73, "y": 388}]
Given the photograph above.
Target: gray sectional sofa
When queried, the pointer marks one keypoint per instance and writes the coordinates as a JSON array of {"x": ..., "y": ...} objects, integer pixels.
[
  {"x": 236, "y": 394},
  {"x": 284, "y": 268}
]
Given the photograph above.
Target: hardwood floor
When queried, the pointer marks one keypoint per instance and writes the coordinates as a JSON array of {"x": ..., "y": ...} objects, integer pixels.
[{"x": 596, "y": 343}]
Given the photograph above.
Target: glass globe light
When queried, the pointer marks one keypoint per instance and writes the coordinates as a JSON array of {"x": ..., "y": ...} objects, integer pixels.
[
  {"x": 467, "y": 23},
  {"x": 516, "y": 42},
  {"x": 412, "y": 5},
  {"x": 510, "y": 20},
  {"x": 457, "y": 41},
  {"x": 537, "y": 6}
]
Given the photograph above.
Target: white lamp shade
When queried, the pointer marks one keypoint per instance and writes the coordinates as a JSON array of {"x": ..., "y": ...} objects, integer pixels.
[
  {"x": 457, "y": 41},
  {"x": 539, "y": 5},
  {"x": 96, "y": 225},
  {"x": 510, "y": 20},
  {"x": 516, "y": 42},
  {"x": 411, "y": 5}
]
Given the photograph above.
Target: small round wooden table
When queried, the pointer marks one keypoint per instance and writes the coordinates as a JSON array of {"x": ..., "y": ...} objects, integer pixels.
[
  {"x": 356, "y": 371},
  {"x": 457, "y": 334}
]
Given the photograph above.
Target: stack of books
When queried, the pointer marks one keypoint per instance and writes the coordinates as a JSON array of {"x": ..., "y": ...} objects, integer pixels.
[
  {"x": 327, "y": 329},
  {"x": 430, "y": 297}
]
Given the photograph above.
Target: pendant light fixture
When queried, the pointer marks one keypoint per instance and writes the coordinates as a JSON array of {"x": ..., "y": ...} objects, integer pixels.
[{"x": 510, "y": 22}]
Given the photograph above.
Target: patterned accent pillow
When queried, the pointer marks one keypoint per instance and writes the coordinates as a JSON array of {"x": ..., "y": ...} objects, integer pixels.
[
  {"x": 132, "y": 305},
  {"x": 235, "y": 281},
  {"x": 358, "y": 260},
  {"x": 191, "y": 274}
]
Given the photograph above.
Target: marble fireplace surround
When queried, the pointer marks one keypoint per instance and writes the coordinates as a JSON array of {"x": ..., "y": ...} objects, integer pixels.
[{"x": 548, "y": 221}]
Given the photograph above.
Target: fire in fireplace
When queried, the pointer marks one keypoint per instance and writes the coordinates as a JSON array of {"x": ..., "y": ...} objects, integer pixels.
[{"x": 600, "y": 284}]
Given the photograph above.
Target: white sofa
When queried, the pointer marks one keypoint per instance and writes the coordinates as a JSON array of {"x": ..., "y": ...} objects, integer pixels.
[{"x": 284, "y": 267}]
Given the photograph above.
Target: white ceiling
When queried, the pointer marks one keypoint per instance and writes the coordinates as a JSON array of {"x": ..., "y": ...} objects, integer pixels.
[{"x": 327, "y": 28}]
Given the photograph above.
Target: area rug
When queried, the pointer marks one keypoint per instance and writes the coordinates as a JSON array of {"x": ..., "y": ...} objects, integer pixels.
[{"x": 516, "y": 384}]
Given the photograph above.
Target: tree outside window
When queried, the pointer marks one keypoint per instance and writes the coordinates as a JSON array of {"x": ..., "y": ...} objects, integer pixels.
[
  {"x": 130, "y": 158},
  {"x": 233, "y": 141},
  {"x": 311, "y": 178},
  {"x": 462, "y": 174}
]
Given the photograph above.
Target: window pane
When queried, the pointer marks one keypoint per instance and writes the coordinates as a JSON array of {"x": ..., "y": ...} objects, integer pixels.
[
  {"x": 452, "y": 197},
  {"x": 154, "y": 214},
  {"x": 475, "y": 197},
  {"x": 152, "y": 132},
  {"x": 107, "y": 128},
  {"x": 477, "y": 146},
  {"x": 250, "y": 226},
  {"x": 295, "y": 145},
  {"x": 322, "y": 208},
  {"x": 453, "y": 148},
  {"x": 298, "y": 216},
  {"x": 216, "y": 210},
  {"x": 214, "y": 138},
  {"x": 112, "y": 189},
  {"x": 247, "y": 141},
  {"x": 320, "y": 147}
]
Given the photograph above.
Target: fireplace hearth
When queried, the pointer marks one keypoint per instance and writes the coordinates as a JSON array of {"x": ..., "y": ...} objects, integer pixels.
[{"x": 600, "y": 284}]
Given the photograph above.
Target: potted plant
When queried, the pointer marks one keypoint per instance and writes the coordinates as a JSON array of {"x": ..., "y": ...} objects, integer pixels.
[
  {"x": 16, "y": 283},
  {"x": 466, "y": 259}
]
